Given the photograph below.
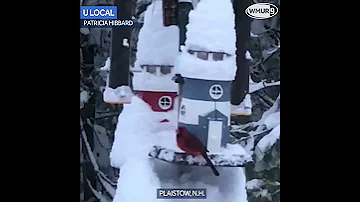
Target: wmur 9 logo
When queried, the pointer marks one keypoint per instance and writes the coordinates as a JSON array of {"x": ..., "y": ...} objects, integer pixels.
[{"x": 261, "y": 11}]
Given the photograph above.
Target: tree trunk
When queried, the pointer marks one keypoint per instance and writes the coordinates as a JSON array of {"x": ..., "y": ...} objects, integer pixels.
[
  {"x": 120, "y": 52},
  {"x": 183, "y": 19},
  {"x": 240, "y": 86}
]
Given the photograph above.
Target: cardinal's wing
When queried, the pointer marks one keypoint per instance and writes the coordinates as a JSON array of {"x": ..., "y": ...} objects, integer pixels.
[{"x": 195, "y": 143}]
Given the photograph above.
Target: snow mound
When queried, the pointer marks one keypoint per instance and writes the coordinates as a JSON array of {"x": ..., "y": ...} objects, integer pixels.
[
  {"x": 138, "y": 130},
  {"x": 210, "y": 29},
  {"x": 137, "y": 182},
  {"x": 132, "y": 138},
  {"x": 157, "y": 45}
]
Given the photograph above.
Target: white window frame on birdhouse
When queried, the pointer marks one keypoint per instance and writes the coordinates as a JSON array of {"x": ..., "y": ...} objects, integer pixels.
[
  {"x": 215, "y": 93},
  {"x": 211, "y": 56},
  {"x": 161, "y": 102}
]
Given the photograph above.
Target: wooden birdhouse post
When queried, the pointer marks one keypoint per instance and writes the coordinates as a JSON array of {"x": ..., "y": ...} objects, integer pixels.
[
  {"x": 184, "y": 8},
  {"x": 118, "y": 90},
  {"x": 176, "y": 12},
  {"x": 170, "y": 15}
]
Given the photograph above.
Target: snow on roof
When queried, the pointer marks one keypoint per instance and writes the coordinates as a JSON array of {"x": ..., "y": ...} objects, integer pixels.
[
  {"x": 144, "y": 81},
  {"x": 192, "y": 67},
  {"x": 212, "y": 26},
  {"x": 157, "y": 44}
]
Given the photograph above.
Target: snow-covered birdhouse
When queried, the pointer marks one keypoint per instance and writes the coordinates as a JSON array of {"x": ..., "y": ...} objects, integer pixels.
[
  {"x": 158, "y": 48},
  {"x": 207, "y": 68},
  {"x": 159, "y": 99},
  {"x": 205, "y": 106}
]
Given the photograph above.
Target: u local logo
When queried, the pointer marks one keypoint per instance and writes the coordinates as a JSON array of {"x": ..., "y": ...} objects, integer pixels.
[{"x": 261, "y": 11}]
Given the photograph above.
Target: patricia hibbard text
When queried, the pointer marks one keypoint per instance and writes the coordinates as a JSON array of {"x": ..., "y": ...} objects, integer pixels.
[{"x": 108, "y": 22}]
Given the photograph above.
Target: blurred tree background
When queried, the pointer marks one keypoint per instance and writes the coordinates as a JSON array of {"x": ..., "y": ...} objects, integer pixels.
[{"x": 99, "y": 119}]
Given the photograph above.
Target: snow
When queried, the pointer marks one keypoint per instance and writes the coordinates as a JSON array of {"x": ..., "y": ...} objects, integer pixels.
[
  {"x": 266, "y": 142},
  {"x": 157, "y": 45},
  {"x": 121, "y": 94},
  {"x": 233, "y": 155},
  {"x": 244, "y": 108},
  {"x": 140, "y": 173},
  {"x": 126, "y": 42},
  {"x": 137, "y": 182},
  {"x": 248, "y": 55},
  {"x": 219, "y": 38},
  {"x": 84, "y": 98},
  {"x": 272, "y": 120},
  {"x": 253, "y": 184},
  {"x": 192, "y": 67},
  {"x": 269, "y": 120},
  {"x": 126, "y": 143},
  {"x": 145, "y": 81},
  {"x": 252, "y": 35},
  {"x": 275, "y": 108},
  {"x": 213, "y": 32},
  {"x": 258, "y": 86},
  {"x": 106, "y": 67}
]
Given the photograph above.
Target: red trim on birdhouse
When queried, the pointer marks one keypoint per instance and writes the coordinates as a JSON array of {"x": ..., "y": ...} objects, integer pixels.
[{"x": 156, "y": 100}]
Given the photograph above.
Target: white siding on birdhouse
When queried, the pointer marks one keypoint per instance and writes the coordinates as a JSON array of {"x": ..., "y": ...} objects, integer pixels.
[
  {"x": 224, "y": 108},
  {"x": 214, "y": 136},
  {"x": 193, "y": 109}
]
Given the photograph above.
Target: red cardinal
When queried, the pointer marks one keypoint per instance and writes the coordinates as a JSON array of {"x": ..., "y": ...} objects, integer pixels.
[{"x": 193, "y": 146}]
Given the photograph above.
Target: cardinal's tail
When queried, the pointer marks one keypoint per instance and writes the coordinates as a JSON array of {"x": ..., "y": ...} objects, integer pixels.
[{"x": 210, "y": 164}]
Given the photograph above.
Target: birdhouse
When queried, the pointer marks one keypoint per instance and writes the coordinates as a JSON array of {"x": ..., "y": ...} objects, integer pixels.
[
  {"x": 159, "y": 99},
  {"x": 205, "y": 106},
  {"x": 205, "y": 69}
]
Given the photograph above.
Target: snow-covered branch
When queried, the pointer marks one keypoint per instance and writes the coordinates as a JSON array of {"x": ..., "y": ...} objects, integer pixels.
[{"x": 253, "y": 87}]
